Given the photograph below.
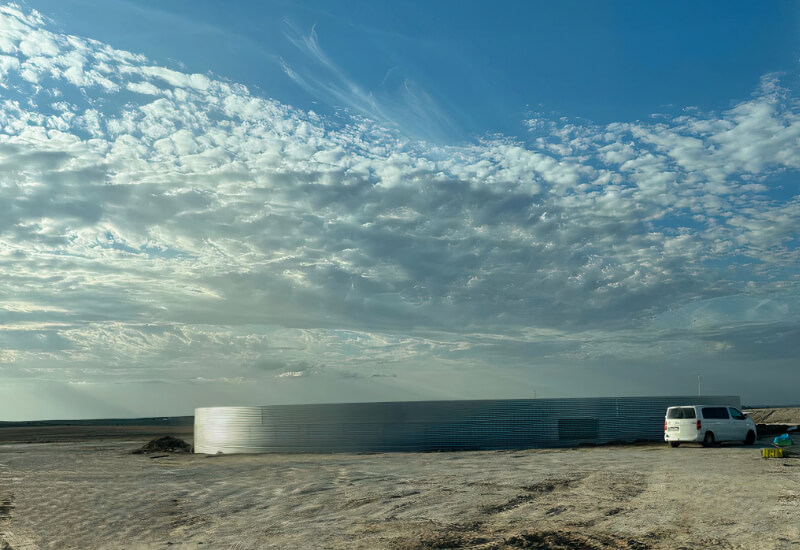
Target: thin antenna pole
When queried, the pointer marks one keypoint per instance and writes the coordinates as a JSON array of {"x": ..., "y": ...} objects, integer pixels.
[{"x": 699, "y": 378}]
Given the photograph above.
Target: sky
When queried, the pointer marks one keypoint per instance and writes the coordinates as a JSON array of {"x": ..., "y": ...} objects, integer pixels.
[{"x": 257, "y": 203}]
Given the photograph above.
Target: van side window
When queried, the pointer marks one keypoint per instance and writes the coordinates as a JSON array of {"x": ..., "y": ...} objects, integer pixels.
[
  {"x": 736, "y": 414},
  {"x": 715, "y": 413}
]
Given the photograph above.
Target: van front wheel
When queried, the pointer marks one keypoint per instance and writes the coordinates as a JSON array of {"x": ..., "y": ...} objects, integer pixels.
[
  {"x": 674, "y": 443},
  {"x": 750, "y": 439},
  {"x": 708, "y": 440}
]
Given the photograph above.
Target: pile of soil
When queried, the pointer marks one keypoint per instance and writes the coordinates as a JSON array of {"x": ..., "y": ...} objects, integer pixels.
[
  {"x": 780, "y": 415},
  {"x": 166, "y": 444}
]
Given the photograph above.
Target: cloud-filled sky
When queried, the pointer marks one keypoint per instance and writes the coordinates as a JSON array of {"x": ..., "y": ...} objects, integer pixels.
[{"x": 312, "y": 202}]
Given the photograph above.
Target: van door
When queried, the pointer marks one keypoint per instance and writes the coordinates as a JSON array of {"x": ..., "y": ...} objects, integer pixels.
[
  {"x": 739, "y": 427},
  {"x": 717, "y": 420},
  {"x": 681, "y": 423},
  {"x": 726, "y": 429}
]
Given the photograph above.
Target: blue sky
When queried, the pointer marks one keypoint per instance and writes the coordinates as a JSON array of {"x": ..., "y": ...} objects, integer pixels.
[
  {"x": 482, "y": 67},
  {"x": 294, "y": 202}
]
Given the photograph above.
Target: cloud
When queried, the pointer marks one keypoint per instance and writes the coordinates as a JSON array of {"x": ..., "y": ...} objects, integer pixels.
[
  {"x": 167, "y": 227},
  {"x": 398, "y": 103}
]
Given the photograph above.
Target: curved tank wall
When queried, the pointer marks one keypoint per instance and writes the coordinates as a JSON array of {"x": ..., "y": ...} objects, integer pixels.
[{"x": 436, "y": 425}]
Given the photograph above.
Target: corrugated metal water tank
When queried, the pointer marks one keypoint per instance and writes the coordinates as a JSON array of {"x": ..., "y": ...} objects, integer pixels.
[{"x": 436, "y": 425}]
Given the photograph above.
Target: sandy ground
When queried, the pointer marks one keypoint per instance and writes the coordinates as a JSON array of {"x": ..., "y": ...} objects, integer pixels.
[{"x": 92, "y": 493}]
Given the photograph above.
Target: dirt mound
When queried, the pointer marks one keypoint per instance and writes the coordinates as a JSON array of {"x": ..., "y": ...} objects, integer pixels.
[
  {"x": 784, "y": 415},
  {"x": 166, "y": 444}
]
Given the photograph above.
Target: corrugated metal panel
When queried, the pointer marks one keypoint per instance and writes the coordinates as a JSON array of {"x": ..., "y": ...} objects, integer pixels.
[{"x": 436, "y": 425}]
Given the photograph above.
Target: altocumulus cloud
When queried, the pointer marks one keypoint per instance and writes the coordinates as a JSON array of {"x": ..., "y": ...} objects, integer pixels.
[{"x": 158, "y": 227}]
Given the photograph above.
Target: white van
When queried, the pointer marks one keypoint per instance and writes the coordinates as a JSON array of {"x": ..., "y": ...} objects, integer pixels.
[{"x": 707, "y": 424}]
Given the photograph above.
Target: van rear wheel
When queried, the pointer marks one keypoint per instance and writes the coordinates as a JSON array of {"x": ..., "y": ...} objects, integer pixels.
[
  {"x": 750, "y": 439},
  {"x": 674, "y": 443},
  {"x": 708, "y": 440}
]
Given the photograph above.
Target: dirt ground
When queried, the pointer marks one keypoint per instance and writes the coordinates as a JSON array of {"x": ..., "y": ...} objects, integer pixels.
[{"x": 92, "y": 493}]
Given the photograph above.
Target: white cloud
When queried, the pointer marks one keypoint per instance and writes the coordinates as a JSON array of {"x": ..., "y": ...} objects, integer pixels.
[
  {"x": 399, "y": 103},
  {"x": 144, "y": 88},
  {"x": 177, "y": 79},
  {"x": 37, "y": 43},
  {"x": 8, "y": 63}
]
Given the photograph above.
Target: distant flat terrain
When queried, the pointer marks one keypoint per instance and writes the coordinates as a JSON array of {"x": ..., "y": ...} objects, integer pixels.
[
  {"x": 90, "y": 492},
  {"x": 44, "y": 431},
  {"x": 48, "y": 434}
]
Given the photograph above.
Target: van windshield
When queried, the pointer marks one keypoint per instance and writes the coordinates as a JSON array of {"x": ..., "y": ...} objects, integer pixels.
[{"x": 681, "y": 412}]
